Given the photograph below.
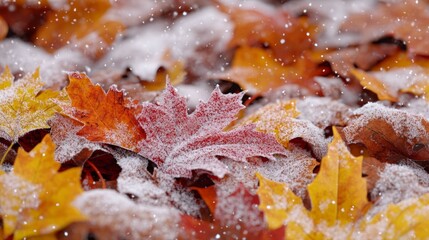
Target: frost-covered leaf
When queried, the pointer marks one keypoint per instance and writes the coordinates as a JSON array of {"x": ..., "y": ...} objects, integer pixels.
[
  {"x": 69, "y": 145},
  {"x": 24, "y": 106},
  {"x": 108, "y": 117},
  {"x": 338, "y": 197},
  {"x": 405, "y": 220},
  {"x": 280, "y": 120},
  {"x": 119, "y": 217},
  {"x": 179, "y": 142},
  {"x": 389, "y": 134},
  {"x": 38, "y": 199}
]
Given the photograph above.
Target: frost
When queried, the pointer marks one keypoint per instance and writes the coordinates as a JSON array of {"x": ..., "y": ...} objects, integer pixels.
[
  {"x": 238, "y": 208},
  {"x": 323, "y": 112},
  {"x": 17, "y": 194},
  {"x": 68, "y": 143},
  {"x": 295, "y": 169},
  {"x": 156, "y": 190},
  {"x": 180, "y": 143},
  {"x": 398, "y": 183},
  {"x": 114, "y": 212},
  {"x": 408, "y": 125}
]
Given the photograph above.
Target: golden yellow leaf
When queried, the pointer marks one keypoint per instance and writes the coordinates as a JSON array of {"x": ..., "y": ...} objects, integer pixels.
[
  {"x": 257, "y": 71},
  {"x": 275, "y": 118},
  {"x": 338, "y": 194},
  {"x": 405, "y": 220},
  {"x": 375, "y": 85},
  {"x": 36, "y": 198},
  {"x": 24, "y": 106},
  {"x": 338, "y": 197}
]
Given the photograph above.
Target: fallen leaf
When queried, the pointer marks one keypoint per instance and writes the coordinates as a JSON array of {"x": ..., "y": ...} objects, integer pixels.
[
  {"x": 405, "y": 220},
  {"x": 69, "y": 145},
  {"x": 388, "y": 134},
  {"x": 179, "y": 142},
  {"x": 108, "y": 117},
  {"x": 363, "y": 57},
  {"x": 82, "y": 23},
  {"x": 3, "y": 28},
  {"x": 280, "y": 120},
  {"x": 38, "y": 199},
  {"x": 24, "y": 106},
  {"x": 338, "y": 197},
  {"x": 405, "y": 20},
  {"x": 256, "y": 70},
  {"x": 288, "y": 37}
]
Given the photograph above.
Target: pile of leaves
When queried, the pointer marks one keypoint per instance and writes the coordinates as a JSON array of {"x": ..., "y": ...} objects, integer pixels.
[{"x": 202, "y": 119}]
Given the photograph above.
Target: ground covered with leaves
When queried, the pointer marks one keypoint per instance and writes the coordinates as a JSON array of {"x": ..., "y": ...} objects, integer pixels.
[{"x": 214, "y": 119}]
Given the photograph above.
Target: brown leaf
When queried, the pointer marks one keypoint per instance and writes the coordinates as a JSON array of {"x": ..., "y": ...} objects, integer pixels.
[{"x": 388, "y": 134}]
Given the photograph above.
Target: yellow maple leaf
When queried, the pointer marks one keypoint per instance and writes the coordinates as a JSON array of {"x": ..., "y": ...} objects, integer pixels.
[
  {"x": 24, "y": 106},
  {"x": 36, "y": 198},
  {"x": 338, "y": 196}
]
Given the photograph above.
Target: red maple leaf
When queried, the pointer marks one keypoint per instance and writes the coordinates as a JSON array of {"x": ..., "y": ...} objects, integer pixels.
[{"x": 179, "y": 142}]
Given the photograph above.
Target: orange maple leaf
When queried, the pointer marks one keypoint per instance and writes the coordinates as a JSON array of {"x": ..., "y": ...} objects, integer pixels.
[{"x": 108, "y": 117}]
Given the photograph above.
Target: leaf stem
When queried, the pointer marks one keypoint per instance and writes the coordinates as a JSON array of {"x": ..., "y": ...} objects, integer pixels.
[
  {"x": 103, "y": 182},
  {"x": 6, "y": 153}
]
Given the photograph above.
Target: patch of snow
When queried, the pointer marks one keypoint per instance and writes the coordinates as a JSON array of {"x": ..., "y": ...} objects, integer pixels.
[{"x": 111, "y": 210}]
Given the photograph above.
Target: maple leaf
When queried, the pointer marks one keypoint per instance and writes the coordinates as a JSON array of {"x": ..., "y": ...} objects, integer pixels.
[
  {"x": 257, "y": 71},
  {"x": 338, "y": 196},
  {"x": 108, "y": 117},
  {"x": 179, "y": 142},
  {"x": 235, "y": 216},
  {"x": 389, "y": 135},
  {"x": 36, "y": 198},
  {"x": 24, "y": 106},
  {"x": 280, "y": 120}
]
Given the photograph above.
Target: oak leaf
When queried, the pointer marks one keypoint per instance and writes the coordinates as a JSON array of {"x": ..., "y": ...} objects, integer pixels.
[
  {"x": 108, "y": 117},
  {"x": 338, "y": 196},
  {"x": 24, "y": 106},
  {"x": 36, "y": 198},
  {"x": 179, "y": 142}
]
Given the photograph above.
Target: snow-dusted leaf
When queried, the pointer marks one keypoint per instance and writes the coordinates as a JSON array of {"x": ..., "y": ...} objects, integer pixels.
[
  {"x": 69, "y": 145},
  {"x": 108, "y": 117},
  {"x": 24, "y": 106},
  {"x": 280, "y": 120},
  {"x": 179, "y": 142},
  {"x": 389, "y": 134}
]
